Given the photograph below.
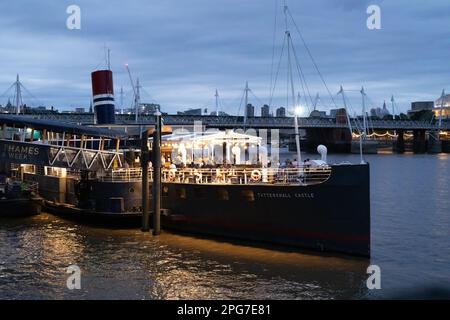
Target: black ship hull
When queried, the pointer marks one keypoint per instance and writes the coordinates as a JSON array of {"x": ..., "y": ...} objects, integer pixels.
[
  {"x": 92, "y": 217},
  {"x": 331, "y": 217},
  {"x": 19, "y": 207}
]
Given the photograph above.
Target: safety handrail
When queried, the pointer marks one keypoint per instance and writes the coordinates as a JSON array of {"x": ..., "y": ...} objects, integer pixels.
[{"x": 302, "y": 175}]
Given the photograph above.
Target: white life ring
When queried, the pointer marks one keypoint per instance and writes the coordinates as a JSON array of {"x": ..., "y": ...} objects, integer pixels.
[
  {"x": 198, "y": 176},
  {"x": 172, "y": 174},
  {"x": 256, "y": 175}
]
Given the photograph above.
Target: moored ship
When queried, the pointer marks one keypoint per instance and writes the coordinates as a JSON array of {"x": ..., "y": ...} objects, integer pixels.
[
  {"x": 18, "y": 198},
  {"x": 314, "y": 205}
]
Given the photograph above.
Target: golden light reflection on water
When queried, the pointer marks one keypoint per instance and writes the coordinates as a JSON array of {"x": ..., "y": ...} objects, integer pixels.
[{"x": 130, "y": 264}]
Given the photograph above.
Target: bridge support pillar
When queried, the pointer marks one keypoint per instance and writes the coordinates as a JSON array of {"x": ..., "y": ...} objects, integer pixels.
[
  {"x": 434, "y": 143},
  {"x": 419, "y": 141},
  {"x": 399, "y": 145}
]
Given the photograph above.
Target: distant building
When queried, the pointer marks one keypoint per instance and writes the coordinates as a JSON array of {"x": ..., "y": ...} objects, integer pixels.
[
  {"x": 333, "y": 113},
  {"x": 250, "y": 111},
  {"x": 380, "y": 112},
  {"x": 191, "y": 112},
  {"x": 79, "y": 110},
  {"x": 445, "y": 106},
  {"x": 318, "y": 114},
  {"x": 221, "y": 114},
  {"x": 9, "y": 108},
  {"x": 37, "y": 110},
  {"x": 149, "y": 108},
  {"x": 281, "y": 112},
  {"x": 418, "y": 106},
  {"x": 265, "y": 111},
  {"x": 341, "y": 115}
]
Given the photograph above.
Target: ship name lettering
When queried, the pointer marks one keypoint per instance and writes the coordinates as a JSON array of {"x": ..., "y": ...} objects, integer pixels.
[
  {"x": 274, "y": 195},
  {"x": 309, "y": 195},
  {"x": 20, "y": 152}
]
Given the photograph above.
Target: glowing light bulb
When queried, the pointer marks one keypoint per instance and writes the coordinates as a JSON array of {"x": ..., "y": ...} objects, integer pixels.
[{"x": 299, "y": 110}]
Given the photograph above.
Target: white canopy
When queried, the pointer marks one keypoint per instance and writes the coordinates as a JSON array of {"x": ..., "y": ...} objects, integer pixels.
[{"x": 215, "y": 138}]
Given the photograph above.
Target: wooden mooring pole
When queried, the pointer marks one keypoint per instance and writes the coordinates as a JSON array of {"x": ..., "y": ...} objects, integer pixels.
[
  {"x": 156, "y": 193},
  {"x": 145, "y": 188}
]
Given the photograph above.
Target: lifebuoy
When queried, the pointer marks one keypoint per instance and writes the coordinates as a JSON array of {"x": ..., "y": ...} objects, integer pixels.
[
  {"x": 172, "y": 174},
  {"x": 256, "y": 175},
  {"x": 198, "y": 176}
]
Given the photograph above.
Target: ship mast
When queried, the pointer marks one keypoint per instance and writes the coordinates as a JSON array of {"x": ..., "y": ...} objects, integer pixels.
[
  {"x": 291, "y": 80},
  {"x": 217, "y": 102},
  {"x": 136, "y": 94}
]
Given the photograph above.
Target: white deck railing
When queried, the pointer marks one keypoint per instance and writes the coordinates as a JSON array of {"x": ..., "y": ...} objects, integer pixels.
[{"x": 303, "y": 175}]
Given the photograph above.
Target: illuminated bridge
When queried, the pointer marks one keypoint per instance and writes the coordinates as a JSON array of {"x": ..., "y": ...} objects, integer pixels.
[
  {"x": 256, "y": 122},
  {"x": 420, "y": 136}
]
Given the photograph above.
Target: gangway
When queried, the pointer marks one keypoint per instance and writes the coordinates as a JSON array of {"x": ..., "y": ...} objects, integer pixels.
[{"x": 24, "y": 140}]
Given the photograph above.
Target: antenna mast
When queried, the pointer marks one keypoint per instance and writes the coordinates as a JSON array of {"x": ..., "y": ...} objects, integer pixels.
[{"x": 217, "y": 103}]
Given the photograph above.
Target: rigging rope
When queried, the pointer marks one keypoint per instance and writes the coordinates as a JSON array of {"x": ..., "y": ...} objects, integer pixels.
[
  {"x": 311, "y": 57},
  {"x": 273, "y": 44},
  {"x": 278, "y": 71},
  {"x": 302, "y": 77}
]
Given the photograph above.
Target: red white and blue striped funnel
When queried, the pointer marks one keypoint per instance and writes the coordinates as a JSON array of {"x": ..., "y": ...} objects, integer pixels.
[{"x": 103, "y": 96}]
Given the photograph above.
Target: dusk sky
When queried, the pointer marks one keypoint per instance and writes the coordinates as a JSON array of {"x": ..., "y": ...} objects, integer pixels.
[{"x": 183, "y": 50}]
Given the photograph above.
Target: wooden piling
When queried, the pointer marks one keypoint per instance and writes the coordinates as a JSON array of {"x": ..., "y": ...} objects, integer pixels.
[
  {"x": 145, "y": 189},
  {"x": 156, "y": 194}
]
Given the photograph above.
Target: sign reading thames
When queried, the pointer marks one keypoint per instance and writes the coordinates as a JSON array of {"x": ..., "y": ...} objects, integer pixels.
[{"x": 24, "y": 153}]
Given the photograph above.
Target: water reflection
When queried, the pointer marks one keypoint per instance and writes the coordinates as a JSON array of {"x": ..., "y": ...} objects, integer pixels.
[{"x": 119, "y": 264}]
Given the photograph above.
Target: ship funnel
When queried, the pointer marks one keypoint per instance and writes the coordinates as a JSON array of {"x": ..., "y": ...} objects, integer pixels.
[
  {"x": 103, "y": 96},
  {"x": 322, "y": 150}
]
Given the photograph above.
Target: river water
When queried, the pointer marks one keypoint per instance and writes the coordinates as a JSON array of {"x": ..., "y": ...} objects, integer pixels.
[{"x": 410, "y": 198}]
